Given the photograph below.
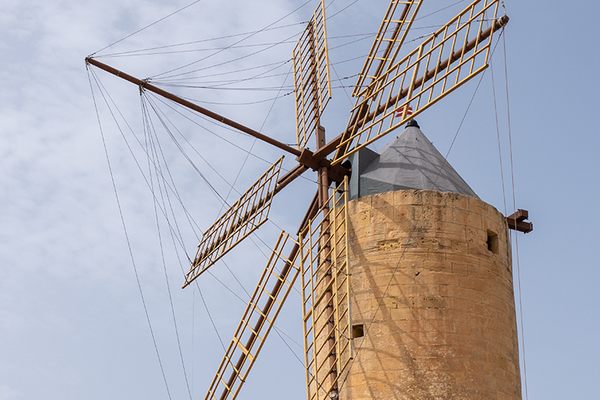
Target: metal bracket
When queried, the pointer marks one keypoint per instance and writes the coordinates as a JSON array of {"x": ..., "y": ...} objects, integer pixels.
[{"x": 335, "y": 172}]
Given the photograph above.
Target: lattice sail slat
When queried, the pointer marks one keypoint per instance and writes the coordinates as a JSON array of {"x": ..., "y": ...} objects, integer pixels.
[
  {"x": 392, "y": 33},
  {"x": 246, "y": 215},
  {"x": 312, "y": 82},
  {"x": 446, "y": 60},
  {"x": 259, "y": 317},
  {"x": 326, "y": 297}
]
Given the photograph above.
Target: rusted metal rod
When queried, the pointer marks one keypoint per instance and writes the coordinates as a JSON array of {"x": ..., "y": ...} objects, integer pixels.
[
  {"x": 289, "y": 177},
  {"x": 188, "y": 104},
  {"x": 332, "y": 145}
]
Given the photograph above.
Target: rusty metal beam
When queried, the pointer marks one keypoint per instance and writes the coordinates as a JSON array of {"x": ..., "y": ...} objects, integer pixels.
[
  {"x": 517, "y": 221},
  {"x": 192, "y": 106}
]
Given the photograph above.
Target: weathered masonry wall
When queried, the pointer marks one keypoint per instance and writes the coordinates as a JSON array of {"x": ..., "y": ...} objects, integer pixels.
[{"x": 432, "y": 291}]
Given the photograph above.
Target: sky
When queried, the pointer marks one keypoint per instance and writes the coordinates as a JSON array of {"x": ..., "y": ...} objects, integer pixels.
[{"x": 72, "y": 321}]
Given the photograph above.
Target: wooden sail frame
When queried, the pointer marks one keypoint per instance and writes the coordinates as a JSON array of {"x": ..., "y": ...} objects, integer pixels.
[
  {"x": 325, "y": 290},
  {"x": 423, "y": 77},
  {"x": 244, "y": 216},
  {"x": 390, "y": 37},
  {"x": 312, "y": 80}
]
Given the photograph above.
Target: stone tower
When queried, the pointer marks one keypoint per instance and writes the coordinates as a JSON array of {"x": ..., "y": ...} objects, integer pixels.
[{"x": 432, "y": 297}]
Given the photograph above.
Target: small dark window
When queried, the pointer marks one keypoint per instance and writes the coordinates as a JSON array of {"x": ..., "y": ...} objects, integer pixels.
[
  {"x": 358, "y": 331},
  {"x": 492, "y": 242}
]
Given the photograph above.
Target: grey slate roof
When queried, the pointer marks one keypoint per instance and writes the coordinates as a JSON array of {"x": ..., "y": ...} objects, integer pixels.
[{"x": 410, "y": 162}]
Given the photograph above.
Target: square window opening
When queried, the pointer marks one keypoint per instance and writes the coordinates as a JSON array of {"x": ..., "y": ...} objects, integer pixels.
[
  {"x": 358, "y": 331},
  {"x": 492, "y": 242}
]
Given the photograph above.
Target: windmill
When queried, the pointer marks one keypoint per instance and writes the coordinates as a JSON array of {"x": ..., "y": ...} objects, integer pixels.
[{"x": 393, "y": 87}]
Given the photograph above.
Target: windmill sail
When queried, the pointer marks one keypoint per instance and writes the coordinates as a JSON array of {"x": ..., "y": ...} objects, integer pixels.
[
  {"x": 446, "y": 60},
  {"x": 245, "y": 216},
  {"x": 312, "y": 82}
]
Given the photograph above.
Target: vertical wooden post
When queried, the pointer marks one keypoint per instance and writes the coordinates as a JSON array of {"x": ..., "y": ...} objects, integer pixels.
[{"x": 325, "y": 267}]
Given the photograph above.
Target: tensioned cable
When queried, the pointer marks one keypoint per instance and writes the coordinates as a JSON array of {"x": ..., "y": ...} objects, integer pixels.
[
  {"x": 171, "y": 229},
  {"x": 233, "y": 188},
  {"x": 187, "y": 157},
  {"x": 151, "y": 52},
  {"x": 221, "y": 85},
  {"x": 247, "y": 37},
  {"x": 239, "y": 58},
  {"x": 239, "y": 41},
  {"x": 172, "y": 82},
  {"x": 240, "y": 89},
  {"x": 224, "y": 201},
  {"x": 246, "y": 46},
  {"x": 203, "y": 40},
  {"x": 187, "y": 141},
  {"x": 247, "y": 103},
  {"x": 192, "y": 223},
  {"x": 342, "y": 9},
  {"x": 193, "y": 334},
  {"x": 157, "y": 164},
  {"x": 440, "y": 10},
  {"x": 151, "y": 146},
  {"x": 256, "y": 76},
  {"x": 148, "y": 26},
  {"x": 498, "y": 138},
  {"x": 156, "y": 50},
  {"x": 102, "y": 91},
  {"x": 165, "y": 76},
  {"x": 245, "y": 161},
  {"x": 134, "y": 265},
  {"x": 227, "y": 182},
  {"x": 196, "y": 151},
  {"x": 105, "y": 94},
  {"x": 340, "y": 79},
  {"x": 179, "y": 258},
  {"x": 221, "y": 126},
  {"x": 464, "y": 118},
  {"x": 208, "y": 130},
  {"x": 204, "y": 303},
  {"x": 514, "y": 199},
  {"x": 164, "y": 211},
  {"x": 462, "y": 121},
  {"x": 278, "y": 330},
  {"x": 237, "y": 71}
]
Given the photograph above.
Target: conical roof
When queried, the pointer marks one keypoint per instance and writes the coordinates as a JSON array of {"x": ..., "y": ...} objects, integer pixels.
[{"x": 410, "y": 162}]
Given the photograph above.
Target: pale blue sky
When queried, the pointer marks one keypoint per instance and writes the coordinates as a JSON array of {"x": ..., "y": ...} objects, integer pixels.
[{"x": 72, "y": 325}]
